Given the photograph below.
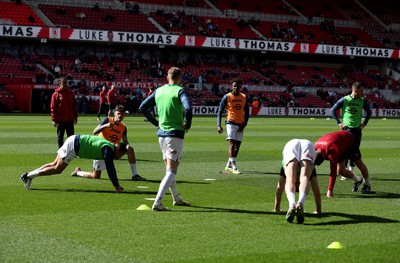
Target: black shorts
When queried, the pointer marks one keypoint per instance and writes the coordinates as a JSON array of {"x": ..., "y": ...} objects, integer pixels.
[
  {"x": 357, "y": 133},
  {"x": 282, "y": 173},
  {"x": 353, "y": 153},
  {"x": 111, "y": 107}
]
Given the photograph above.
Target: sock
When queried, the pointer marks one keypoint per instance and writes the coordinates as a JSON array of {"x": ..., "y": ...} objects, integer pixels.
[
  {"x": 233, "y": 162},
  {"x": 174, "y": 189},
  {"x": 228, "y": 164},
  {"x": 291, "y": 199},
  {"x": 367, "y": 181},
  {"x": 356, "y": 178},
  {"x": 133, "y": 169},
  {"x": 33, "y": 174},
  {"x": 174, "y": 192},
  {"x": 164, "y": 185},
  {"x": 80, "y": 173},
  {"x": 302, "y": 198}
]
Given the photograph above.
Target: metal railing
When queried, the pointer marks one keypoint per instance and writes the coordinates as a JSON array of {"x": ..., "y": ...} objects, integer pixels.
[
  {"x": 88, "y": 3},
  {"x": 6, "y": 21}
]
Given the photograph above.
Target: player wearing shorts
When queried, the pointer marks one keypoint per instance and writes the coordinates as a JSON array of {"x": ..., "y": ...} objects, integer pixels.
[
  {"x": 113, "y": 130},
  {"x": 352, "y": 107},
  {"x": 298, "y": 156},
  {"x": 237, "y": 109},
  {"x": 337, "y": 147},
  {"x": 84, "y": 146},
  {"x": 174, "y": 120},
  {"x": 280, "y": 187}
]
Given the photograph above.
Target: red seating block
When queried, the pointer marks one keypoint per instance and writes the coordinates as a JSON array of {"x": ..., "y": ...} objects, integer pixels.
[
  {"x": 19, "y": 14},
  {"x": 123, "y": 20}
]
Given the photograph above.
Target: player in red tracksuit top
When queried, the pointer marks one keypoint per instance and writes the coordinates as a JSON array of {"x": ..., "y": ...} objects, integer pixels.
[
  {"x": 113, "y": 99},
  {"x": 103, "y": 102},
  {"x": 337, "y": 147},
  {"x": 64, "y": 113}
]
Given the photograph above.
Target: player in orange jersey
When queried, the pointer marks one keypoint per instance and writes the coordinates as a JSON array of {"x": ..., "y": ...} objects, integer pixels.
[
  {"x": 237, "y": 109},
  {"x": 113, "y": 130}
]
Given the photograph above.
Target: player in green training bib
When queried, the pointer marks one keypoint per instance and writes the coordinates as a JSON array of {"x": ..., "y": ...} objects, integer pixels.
[{"x": 352, "y": 107}]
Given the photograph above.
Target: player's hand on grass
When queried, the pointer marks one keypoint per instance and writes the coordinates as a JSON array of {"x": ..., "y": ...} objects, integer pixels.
[{"x": 119, "y": 189}]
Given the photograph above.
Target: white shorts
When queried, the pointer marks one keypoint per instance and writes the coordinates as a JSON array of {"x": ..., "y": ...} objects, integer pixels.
[
  {"x": 99, "y": 165},
  {"x": 67, "y": 151},
  {"x": 232, "y": 132},
  {"x": 171, "y": 147},
  {"x": 298, "y": 149}
]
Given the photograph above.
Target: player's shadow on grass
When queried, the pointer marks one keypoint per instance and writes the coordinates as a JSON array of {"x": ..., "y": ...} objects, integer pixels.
[
  {"x": 139, "y": 160},
  {"x": 230, "y": 210},
  {"x": 371, "y": 195},
  {"x": 352, "y": 219},
  {"x": 258, "y": 172},
  {"x": 156, "y": 181},
  {"x": 387, "y": 179},
  {"x": 94, "y": 191}
]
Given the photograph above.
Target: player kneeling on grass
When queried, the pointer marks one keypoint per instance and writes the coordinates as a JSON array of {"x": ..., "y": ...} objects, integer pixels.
[
  {"x": 314, "y": 186},
  {"x": 298, "y": 155},
  {"x": 113, "y": 130},
  {"x": 84, "y": 146}
]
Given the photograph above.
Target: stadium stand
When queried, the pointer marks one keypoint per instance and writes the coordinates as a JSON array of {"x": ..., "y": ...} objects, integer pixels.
[
  {"x": 104, "y": 19},
  {"x": 18, "y": 14},
  {"x": 7, "y": 100},
  {"x": 325, "y": 8},
  {"x": 386, "y": 10},
  {"x": 188, "y": 3},
  {"x": 257, "y": 6},
  {"x": 181, "y": 23},
  {"x": 339, "y": 22}
]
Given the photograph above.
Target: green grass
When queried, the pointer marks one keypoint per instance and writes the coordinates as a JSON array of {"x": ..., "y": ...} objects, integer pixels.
[{"x": 67, "y": 219}]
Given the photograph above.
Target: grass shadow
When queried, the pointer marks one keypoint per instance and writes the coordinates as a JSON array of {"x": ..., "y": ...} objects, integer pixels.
[
  {"x": 353, "y": 219},
  {"x": 157, "y": 181},
  {"x": 93, "y": 191},
  {"x": 139, "y": 160},
  {"x": 258, "y": 172},
  {"x": 387, "y": 179},
  {"x": 350, "y": 218},
  {"x": 230, "y": 210},
  {"x": 372, "y": 194}
]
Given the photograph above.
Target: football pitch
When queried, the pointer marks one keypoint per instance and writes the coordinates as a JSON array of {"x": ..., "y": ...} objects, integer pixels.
[{"x": 70, "y": 219}]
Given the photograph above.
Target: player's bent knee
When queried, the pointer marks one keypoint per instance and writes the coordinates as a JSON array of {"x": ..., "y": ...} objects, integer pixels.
[{"x": 96, "y": 175}]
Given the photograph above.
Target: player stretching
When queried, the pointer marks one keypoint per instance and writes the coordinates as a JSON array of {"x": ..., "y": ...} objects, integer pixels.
[
  {"x": 113, "y": 130},
  {"x": 337, "y": 147}
]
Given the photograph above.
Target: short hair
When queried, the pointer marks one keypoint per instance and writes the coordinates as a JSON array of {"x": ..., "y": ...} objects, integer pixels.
[
  {"x": 121, "y": 146},
  {"x": 319, "y": 159},
  {"x": 237, "y": 80},
  {"x": 120, "y": 107},
  {"x": 175, "y": 73},
  {"x": 357, "y": 85}
]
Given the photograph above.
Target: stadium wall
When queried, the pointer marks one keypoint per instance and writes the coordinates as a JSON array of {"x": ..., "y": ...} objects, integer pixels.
[{"x": 294, "y": 112}]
